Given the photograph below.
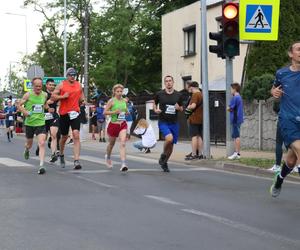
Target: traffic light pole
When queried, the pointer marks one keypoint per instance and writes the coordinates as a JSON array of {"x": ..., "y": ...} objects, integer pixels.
[
  {"x": 204, "y": 79},
  {"x": 229, "y": 81}
]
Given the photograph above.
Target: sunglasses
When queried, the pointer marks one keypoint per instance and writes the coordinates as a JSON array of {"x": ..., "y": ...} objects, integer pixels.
[{"x": 73, "y": 75}]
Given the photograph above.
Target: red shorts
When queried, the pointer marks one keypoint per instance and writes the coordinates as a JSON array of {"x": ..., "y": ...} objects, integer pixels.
[{"x": 114, "y": 129}]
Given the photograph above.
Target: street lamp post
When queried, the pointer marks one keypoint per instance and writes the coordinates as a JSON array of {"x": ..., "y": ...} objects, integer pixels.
[
  {"x": 65, "y": 37},
  {"x": 26, "y": 33},
  {"x": 10, "y": 73}
]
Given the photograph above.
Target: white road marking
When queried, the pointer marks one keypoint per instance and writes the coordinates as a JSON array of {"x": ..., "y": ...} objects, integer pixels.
[
  {"x": 47, "y": 160},
  {"x": 97, "y": 182},
  {"x": 89, "y": 171},
  {"x": 14, "y": 163},
  {"x": 96, "y": 160},
  {"x": 164, "y": 200},
  {"x": 243, "y": 227}
]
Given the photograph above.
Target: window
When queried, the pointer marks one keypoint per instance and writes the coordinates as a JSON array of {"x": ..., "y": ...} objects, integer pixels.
[
  {"x": 185, "y": 79},
  {"x": 189, "y": 40}
]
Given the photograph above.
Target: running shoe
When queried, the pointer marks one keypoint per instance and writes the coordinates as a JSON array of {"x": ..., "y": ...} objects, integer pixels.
[
  {"x": 100, "y": 140},
  {"x": 147, "y": 151},
  {"x": 234, "y": 156},
  {"x": 163, "y": 159},
  {"x": 53, "y": 158},
  {"x": 103, "y": 140},
  {"x": 276, "y": 186},
  {"x": 77, "y": 165},
  {"x": 26, "y": 154},
  {"x": 192, "y": 158},
  {"x": 123, "y": 168},
  {"x": 62, "y": 161},
  {"x": 70, "y": 141},
  {"x": 108, "y": 162},
  {"x": 165, "y": 168},
  {"x": 275, "y": 168},
  {"x": 41, "y": 170}
]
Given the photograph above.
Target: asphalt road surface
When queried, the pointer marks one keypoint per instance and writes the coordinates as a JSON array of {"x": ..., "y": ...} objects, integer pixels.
[{"x": 96, "y": 208}]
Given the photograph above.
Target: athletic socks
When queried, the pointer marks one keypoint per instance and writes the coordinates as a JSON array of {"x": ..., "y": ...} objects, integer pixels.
[
  {"x": 285, "y": 170},
  {"x": 8, "y": 135}
]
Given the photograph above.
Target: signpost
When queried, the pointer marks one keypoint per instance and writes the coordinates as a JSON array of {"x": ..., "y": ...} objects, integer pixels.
[
  {"x": 259, "y": 19},
  {"x": 27, "y": 85},
  {"x": 57, "y": 80}
]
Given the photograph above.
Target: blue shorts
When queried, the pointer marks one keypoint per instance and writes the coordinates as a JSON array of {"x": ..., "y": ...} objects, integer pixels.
[
  {"x": 9, "y": 123},
  {"x": 169, "y": 128},
  {"x": 235, "y": 130},
  {"x": 290, "y": 131}
]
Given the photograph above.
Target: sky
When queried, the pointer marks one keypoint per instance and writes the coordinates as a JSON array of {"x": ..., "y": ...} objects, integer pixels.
[{"x": 13, "y": 30}]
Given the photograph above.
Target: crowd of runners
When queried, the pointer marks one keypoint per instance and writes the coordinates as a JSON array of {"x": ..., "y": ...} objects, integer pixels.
[{"x": 57, "y": 112}]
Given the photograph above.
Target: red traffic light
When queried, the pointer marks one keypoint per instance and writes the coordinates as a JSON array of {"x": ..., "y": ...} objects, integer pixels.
[{"x": 230, "y": 10}]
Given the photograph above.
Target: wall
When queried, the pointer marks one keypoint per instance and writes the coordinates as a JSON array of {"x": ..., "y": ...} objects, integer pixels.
[{"x": 250, "y": 127}]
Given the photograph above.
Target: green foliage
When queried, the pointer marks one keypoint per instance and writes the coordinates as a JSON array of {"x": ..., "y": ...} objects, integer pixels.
[
  {"x": 267, "y": 57},
  {"x": 258, "y": 87}
]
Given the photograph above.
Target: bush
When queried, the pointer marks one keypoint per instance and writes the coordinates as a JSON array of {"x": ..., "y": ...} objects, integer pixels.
[{"x": 258, "y": 87}]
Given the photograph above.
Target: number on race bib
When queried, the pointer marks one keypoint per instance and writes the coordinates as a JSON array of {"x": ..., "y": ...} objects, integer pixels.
[
  {"x": 170, "y": 109},
  {"x": 73, "y": 115},
  {"x": 37, "y": 108},
  {"x": 10, "y": 118},
  {"x": 122, "y": 116},
  {"x": 48, "y": 116}
]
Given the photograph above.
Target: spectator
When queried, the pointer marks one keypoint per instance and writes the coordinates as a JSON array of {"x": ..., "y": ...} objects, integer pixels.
[
  {"x": 101, "y": 121},
  {"x": 148, "y": 141},
  {"x": 93, "y": 121}
]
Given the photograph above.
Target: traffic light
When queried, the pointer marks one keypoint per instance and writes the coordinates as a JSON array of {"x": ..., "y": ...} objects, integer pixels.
[
  {"x": 217, "y": 49},
  {"x": 230, "y": 25}
]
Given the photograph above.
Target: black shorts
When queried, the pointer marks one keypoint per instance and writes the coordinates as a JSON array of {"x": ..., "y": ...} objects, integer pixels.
[
  {"x": 30, "y": 131},
  {"x": 94, "y": 121},
  {"x": 51, "y": 123},
  {"x": 195, "y": 130},
  {"x": 9, "y": 123},
  {"x": 65, "y": 123}
]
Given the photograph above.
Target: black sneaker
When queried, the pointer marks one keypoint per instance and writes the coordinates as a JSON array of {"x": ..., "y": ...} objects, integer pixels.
[
  {"x": 191, "y": 158},
  {"x": 100, "y": 140},
  {"x": 70, "y": 141},
  {"x": 201, "y": 156},
  {"x": 53, "y": 158},
  {"x": 41, "y": 170},
  {"x": 165, "y": 168},
  {"x": 103, "y": 140},
  {"x": 188, "y": 155},
  {"x": 37, "y": 151},
  {"x": 77, "y": 165},
  {"x": 62, "y": 161},
  {"x": 163, "y": 159},
  {"x": 147, "y": 151}
]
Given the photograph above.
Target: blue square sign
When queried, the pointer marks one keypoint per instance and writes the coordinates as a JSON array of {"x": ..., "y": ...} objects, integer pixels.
[{"x": 259, "y": 18}]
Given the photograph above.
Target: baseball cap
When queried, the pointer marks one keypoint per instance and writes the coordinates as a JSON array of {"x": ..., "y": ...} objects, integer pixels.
[{"x": 71, "y": 71}]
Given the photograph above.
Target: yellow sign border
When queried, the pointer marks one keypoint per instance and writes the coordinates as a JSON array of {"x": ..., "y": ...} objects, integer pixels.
[
  {"x": 25, "y": 85},
  {"x": 273, "y": 35}
]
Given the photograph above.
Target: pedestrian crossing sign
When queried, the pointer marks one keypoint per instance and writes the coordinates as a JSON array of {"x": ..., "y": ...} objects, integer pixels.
[{"x": 259, "y": 19}]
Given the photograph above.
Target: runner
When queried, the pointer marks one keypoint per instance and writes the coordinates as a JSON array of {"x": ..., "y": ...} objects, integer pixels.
[
  {"x": 287, "y": 87},
  {"x": 170, "y": 102},
  {"x": 69, "y": 93},
  {"x": 52, "y": 119},
  {"x": 34, "y": 103},
  {"x": 117, "y": 109},
  {"x": 10, "y": 112}
]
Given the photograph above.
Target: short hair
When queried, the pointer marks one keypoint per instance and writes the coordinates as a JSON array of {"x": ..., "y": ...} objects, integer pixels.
[
  {"x": 143, "y": 123},
  {"x": 168, "y": 76},
  {"x": 236, "y": 86},
  {"x": 193, "y": 84},
  {"x": 36, "y": 78},
  {"x": 292, "y": 46},
  {"x": 49, "y": 80}
]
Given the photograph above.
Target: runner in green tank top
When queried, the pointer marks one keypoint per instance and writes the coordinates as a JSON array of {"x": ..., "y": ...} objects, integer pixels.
[
  {"x": 32, "y": 105},
  {"x": 117, "y": 109}
]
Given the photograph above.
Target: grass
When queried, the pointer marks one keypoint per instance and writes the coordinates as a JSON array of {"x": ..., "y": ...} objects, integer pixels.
[{"x": 256, "y": 162}]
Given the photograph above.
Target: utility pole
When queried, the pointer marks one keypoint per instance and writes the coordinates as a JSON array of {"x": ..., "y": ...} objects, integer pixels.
[
  {"x": 229, "y": 81},
  {"x": 86, "y": 50},
  {"x": 205, "y": 89},
  {"x": 65, "y": 38}
]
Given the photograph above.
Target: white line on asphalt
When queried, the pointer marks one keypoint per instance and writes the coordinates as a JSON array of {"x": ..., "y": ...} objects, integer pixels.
[
  {"x": 14, "y": 163},
  {"x": 68, "y": 163},
  {"x": 96, "y": 160},
  {"x": 164, "y": 200},
  {"x": 243, "y": 227},
  {"x": 97, "y": 182},
  {"x": 89, "y": 171}
]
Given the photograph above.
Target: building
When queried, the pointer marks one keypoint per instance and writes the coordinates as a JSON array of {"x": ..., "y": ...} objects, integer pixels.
[{"x": 181, "y": 47}]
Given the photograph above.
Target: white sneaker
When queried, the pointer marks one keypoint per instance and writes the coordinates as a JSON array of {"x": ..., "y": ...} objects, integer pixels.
[
  {"x": 123, "y": 168},
  {"x": 234, "y": 156},
  {"x": 275, "y": 168},
  {"x": 108, "y": 162}
]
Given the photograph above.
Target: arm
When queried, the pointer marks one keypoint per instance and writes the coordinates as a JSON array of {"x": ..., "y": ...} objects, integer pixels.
[
  {"x": 232, "y": 104},
  {"x": 108, "y": 107},
  {"x": 82, "y": 97},
  {"x": 178, "y": 106},
  {"x": 276, "y": 92},
  {"x": 22, "y": 102},
  {"x": 56, "y": 94},
  {"x": 155, "y": 107}
]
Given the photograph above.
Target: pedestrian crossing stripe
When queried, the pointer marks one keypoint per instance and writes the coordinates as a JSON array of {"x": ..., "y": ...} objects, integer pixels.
[
  {"x": 13, "y": 163},
  {"x": 257, "y": 18}
]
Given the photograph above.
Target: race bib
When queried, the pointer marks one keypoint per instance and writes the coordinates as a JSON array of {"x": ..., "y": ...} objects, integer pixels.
[
  {"x": 48, "y": 116},
  {"x": 122, "y": 116},
  {"x": 73, "y": 115},
  {"x": 37, "y": 108},
  {"x": 10, "y": 118},
  {"x": 170, "y": 109}
]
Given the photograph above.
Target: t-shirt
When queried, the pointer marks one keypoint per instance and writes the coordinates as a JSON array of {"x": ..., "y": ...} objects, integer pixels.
[
  {"x": 167, "y": 105},
  {"x": 236, "y": 110},
  {"x": 197, "y": 115},
  {"x": 100, "y": 114},
  {"x": 148, "y": 136},
  {"x": 290, "y": 101},
  {"x": 9, "y": 112},
  {"x": 52, "y": 105}
]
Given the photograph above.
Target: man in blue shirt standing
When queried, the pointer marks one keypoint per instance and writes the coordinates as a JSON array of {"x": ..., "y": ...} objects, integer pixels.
[
  {"x": 287, "y": 88},
  {"x": 10, "y": 112},
  {"x": 236, "y": 119}
]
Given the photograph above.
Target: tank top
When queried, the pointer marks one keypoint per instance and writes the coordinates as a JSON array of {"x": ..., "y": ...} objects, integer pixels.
[
  {"x": 72, "y": 102},
  {"x": 121, "y": 105},
  {"x": 35, "y": 105}
]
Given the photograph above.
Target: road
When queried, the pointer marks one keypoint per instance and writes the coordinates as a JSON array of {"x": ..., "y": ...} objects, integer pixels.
[{"x": 96, "y": 208}]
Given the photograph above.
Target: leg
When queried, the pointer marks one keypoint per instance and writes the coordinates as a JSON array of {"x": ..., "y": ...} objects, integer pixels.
[
  {"x": 41, "y": 142},
  {"x": 122, "y": 136},
  {"x": 53, "y": 134},
  {"x": 195, "y": 145},
  {"x": 62, "y": 143},
  {"x": 200, "y": 145},
  {"x": 279, "y": 142},
  {"x": 110, "y": 145},
  {"x": 237, "y": 144},
  {"x": 76, "y": 148},
  {"x": 138, "y": 145},
  {"x": 93, "y": 132},
  {"x": 28, "y": 143},
  {"x": 168, "y": 146}
]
